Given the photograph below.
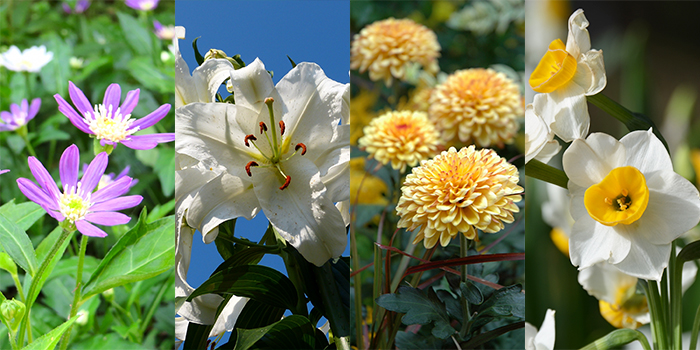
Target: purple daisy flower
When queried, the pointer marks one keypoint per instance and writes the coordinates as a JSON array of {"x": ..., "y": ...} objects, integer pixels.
[
  {"x": 77, "y": 204},
  {"x": 19, "y": 115},
  {"x": 4, "y": 171},
  {"x": 78, "y": 7},
  {"x": 112, "y": 123},
  {"x": 143, "y": 5},
  {"x": 164, "y": 32},
  {"x": 108, "y": 179}
]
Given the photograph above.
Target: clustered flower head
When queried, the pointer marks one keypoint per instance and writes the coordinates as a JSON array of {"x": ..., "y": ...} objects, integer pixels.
[
  {"x": 111, "y": 123},
  {"x": 401, "y": 138},
  {"x": 388, "y": 47},
  {"x": 19, "y": 115},
  {"x": 459, "y": 191},
  {"x": 29, "y": 60},
  {"x": 77, "y": 206},
  {"x": 477, "y": 105}
]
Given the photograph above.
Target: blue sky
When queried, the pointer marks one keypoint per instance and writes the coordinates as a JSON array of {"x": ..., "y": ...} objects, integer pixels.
[{"x": 314, "y": 31}]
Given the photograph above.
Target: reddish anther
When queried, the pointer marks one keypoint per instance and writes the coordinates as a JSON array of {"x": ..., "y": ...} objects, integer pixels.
[
  {"x": 281, "y": 127},
  {"x": 249, "y": 137},
  {"x": 263, "y": 127},
  {"x": 286, "y": 182},
  {"x": 250, "y": 164},
  {"x": 302, "y": 146}
]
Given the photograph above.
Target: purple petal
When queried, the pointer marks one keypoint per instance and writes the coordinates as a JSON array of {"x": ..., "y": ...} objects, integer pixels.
[
  {"x": 124, "y": 172},
  {"x": 66, "y": 8},
  {"x": 147, "y": 141},
  {"x": 33, "y": 108},
  {"x": 78, "y": 98},
  {"x": 112, "y": 96},
  {"x": 4, "y": 171},
  {"x": 108, "y": 218},
  {"x": 14, "y": 108},
  {"x": 113, "y": 190},
  {"x": 130, "y": 102},
  {"x": 6, "y": 117},
  {"x": 24, "y": 105},
  {"x": 43, "y": 178},
  {"x": 94, "y": 173},
  {"x": 68, "y": 167},
  {"x": 89, "y": 229},
  {"x": 115, "y": 204},
  {"x": 72, "y": 115},
  {"x": 36, "y": 194},
  {"x": 153, "y": 117}
]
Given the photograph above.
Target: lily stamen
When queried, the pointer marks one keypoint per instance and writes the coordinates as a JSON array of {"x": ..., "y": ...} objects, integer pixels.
[
  {"x": 247, "y": 167},
  {"x": 302, "y": 146},
  {"x": 281, "y": 127},
  {"x": 287, "y": 180},
  {"x": 263, "y": 127},
  {"x": 249, "y": 137}
]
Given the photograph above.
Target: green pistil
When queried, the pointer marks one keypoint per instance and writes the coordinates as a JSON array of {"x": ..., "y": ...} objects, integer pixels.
[{"x": 275, "y": 151}]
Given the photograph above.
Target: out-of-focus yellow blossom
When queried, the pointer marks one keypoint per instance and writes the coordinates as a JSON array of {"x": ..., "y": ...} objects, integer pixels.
[
  {"x": 459, "y": 192},
  {"x": 388, "y": 47},
  {"x": 477, "y": 105},
  {"x": 361, "y": 113},
  {"x": 372, "y": 189}
]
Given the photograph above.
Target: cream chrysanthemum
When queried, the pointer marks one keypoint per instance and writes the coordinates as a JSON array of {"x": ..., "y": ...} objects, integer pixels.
[
  {"x": 400, "y": 138},
  {"x": 389, "y": 46},
  {"x": 477, "y": 105},
  {"x": 459, "y": 192}
]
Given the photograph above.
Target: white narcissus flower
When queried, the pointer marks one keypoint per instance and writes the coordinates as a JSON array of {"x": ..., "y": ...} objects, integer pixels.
[
  {"x": 619, "y": 301},
  {"x": 566, "y": 75},
  {"x": 29, "y": 60},
  {"x": 205, "y": 80},
  {"x": 627, "y": 203},
  {"x": 544, "y": 338},
  {"x": 539, "y": 139},
  {"x": 556, "y": 213},
  {"x": 281, "y": 149}
]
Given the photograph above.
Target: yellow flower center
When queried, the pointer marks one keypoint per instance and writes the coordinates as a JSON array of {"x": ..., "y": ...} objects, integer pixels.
[
  {"x": 73, "y": 206},
  {"x": 556, "y": 68},
  {"x": 627, "y": 304},
  {"x": 621, "y": 197},
  {"x": 110, "y": 125}
]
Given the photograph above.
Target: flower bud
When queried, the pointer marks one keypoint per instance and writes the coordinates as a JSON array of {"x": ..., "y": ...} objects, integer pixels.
[
  {"x": 108, "y": 295},
  {"x": 76, "y": 62},
  {"x": 13, "y": 312},
  {"x": 214, "y": 53},
  {"x": 83, "y": 317}
]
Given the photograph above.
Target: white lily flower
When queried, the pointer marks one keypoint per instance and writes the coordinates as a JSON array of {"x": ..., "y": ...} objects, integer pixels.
[
  {"x": 29, "y": 60},
  {"x": 566, "y": 75},
  {"x": 545, "y": 337},
  {"x": 619, "y": 301},
  {"x": 205, "y": 80},
  {"x": 627, "y": 203},
  {"x": 539, "y": 139},
  {"x": 295, "y": 169}
]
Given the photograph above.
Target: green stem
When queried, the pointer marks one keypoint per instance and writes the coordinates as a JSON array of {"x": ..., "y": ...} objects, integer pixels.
[
  {"x": 26, "y": 326},
  {"x": 26, "y": 141},
  {"x": 357, "y": 286},
  {"x": 694, "y": 332},
  {"x": 154, "y": 305},
  {"x": 78, "y": 284},
  {"x": 658, "y": 326},
  {"x": 463, "y": 253},
  {"x": 675, "y": 274},
  {"x": 22, "y": 297},
  {"x": 535, "y": 168},
  {"x": 633, "y": 121},
  {"x": 617, "y": 338}
]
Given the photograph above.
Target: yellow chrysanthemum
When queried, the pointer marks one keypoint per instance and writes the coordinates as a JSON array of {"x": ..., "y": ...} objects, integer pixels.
[
  {"x": 373, "y": 188},
  {"x": 459, "y": 192},
  {"x": 477, "y": 105},
  {"x": 401, "y": 138},
  {"x": 389, "y": 46}
]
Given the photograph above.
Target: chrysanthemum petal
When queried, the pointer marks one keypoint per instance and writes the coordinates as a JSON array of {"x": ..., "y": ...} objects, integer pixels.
[
  {"x": 79, "y": 100},
  {"x": 113, "y": 190},
  {"x": 74, "y": 117},
  {"x": 113, "y": 95},
  {"x": 69, "y": 167},
  {"x": 89, "y": 229},
  {"x": 35, "y": 194},
  {"x": 130, "y": 102},
  {"x": 120, "y": 203},
  {"x": 43, "y": 177},
  {"x": 33, "y": 108},
  {"x": 108, "y": 218},
  {"x": 147, "y": 141}
]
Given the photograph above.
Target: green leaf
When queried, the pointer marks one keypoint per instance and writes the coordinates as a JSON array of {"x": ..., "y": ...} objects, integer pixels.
[
  {"x": 482, "y": 338},
  {"x": 165, "y": 167},
  {"x": 333, "y": 281},
  {"x": 293, "y": 332},
  {"x": 256, "y": 314},
  {"x": 253, "y": 281},
  {"x": 18, "y": 87},
  {"x": 49, "y": 132},
  {"x": 471, "y": 293},
  {"x": 41, "y": 251},
  {"x": 419, "y": 309},
  {"x": 143, "y": 70},
  {"x": 160, "y": 210},
  {"x": 223, "y": 240},
  {"x": 147, "y": 250},
  {"x": 49, "y": 340},
  {"x": 16, "y": 243},
  {"x": 689, "y": 252},
  {"x": 538, "y": 170},
  {"x": 196, "y": 337},
  {"x": 107, "y": 341},
  {"x": 291, "y": 61},
  {"x": 197, "y": 56},
  {"x": 55, "y": 74},
  {"x": 505, "y": 302},
  {"x": 136, "y": 36},
  {"x": 24, "y": 215},
  {"x": 408, "y": 340}
]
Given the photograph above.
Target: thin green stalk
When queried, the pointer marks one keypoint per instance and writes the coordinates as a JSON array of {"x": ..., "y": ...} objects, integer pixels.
[
  {"x": 76, "y": 296},
  {"x": 26, "y": 326},
  {"x": 154, "y": 306},
  {"x": 357, "y": 286},
  {"x": 617, "y": 338},
  {"x": 463, "y": 253},
  {"x": 22, "y": 297},
  {"x": 675, "y": 275},
  {"x": 694, "y": 332},
  {"x": 658, "y": 325},
  {"x": 29, "y": 144},
  {"x": 403, "y": 263}
]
